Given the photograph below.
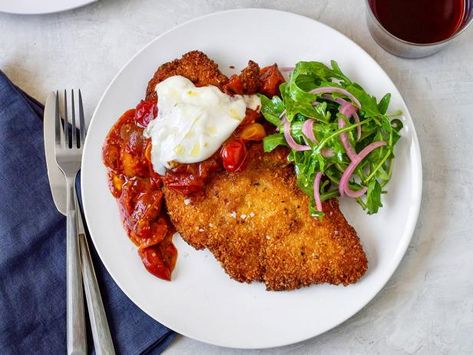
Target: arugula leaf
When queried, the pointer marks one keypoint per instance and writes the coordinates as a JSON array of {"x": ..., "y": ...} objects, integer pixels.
[
  {"x": 272, "y": 109},
  {"x": 384, "y": 103},
  {"x": 306, "y": 82},
  {"x": 315, "y": 69},
  {"x": 368, "y": 103},
  {"x": 338, "y": 72},
  {"x": 272, "y": 141},
  {"x": 302, "y": 105},
  {"x": 314, "y": 212},
  {"x": 296, "y": 131},
  {"x": 373, "y": 197}
]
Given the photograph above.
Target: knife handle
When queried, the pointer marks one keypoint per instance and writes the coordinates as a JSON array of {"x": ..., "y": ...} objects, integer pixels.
[
  {"x": 76, "y": 335},
  {"x": 103, "y": 343}
]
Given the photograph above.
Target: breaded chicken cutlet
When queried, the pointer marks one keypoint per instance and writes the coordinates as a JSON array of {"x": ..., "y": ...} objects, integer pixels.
[
  {"x": 257, "y": 225},
  {"x": 195, "y": 66},
  {"x": 256, "y": 221}
]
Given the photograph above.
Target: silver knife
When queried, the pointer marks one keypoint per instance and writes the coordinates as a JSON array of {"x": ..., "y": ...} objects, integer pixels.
[{"x": 98, "y": 319}]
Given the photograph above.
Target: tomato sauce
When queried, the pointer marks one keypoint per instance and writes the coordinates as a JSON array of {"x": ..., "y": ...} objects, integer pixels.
[{"x": 137, "y": 187}]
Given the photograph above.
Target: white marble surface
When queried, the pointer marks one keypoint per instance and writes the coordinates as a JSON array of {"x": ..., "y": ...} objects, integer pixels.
[{"x": 427, "y": 307}]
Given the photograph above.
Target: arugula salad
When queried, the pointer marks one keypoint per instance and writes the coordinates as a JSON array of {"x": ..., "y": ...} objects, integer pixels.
[{"x": 341, "y": 138}]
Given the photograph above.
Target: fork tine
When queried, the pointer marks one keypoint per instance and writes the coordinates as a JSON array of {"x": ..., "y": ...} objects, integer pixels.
[
  {"x": 73, "y": 111},
  {"x": 66, "y": 122},
  {"x": 57, "y": 125},
  {"x": 83, "y": 128}
]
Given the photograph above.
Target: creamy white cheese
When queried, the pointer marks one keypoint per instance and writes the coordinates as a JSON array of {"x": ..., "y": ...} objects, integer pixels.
[{"x": 193, "y": 122}]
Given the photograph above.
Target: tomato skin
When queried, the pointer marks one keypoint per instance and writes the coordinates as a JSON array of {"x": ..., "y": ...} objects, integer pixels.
[
  {"x": 234, "y": 86},
  {"x": 271, "y": 78},
  {"x": 191, "y": 178},
  {"x": 159, "y": 260},
  {"x": 233, "y": 155},
  {"x": 253, "y": 132},
  {"x": 247, "y": 82},
  {"x": 145, "y": 112},
  {"x": 185, "y": 182}
]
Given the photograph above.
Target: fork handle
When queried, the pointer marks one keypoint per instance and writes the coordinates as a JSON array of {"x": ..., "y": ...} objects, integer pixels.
[
  {"x": 76, "y": 334},
  {"x": 103, "y": 343}
]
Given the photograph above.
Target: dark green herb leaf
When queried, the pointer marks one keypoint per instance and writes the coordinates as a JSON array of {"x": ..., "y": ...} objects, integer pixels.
[
  {"x": 368, "y": 103},
  {"x": 373, "y": 197},
  {"x": 316, "y": 70},
  {"x": 272, "y": 109},
  {"x": 272, "y": 141},
  {"x": 338, "y": 72},
  {"x": 384, "y": 103}
]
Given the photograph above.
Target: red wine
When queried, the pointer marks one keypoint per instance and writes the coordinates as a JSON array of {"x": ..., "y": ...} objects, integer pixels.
[{"x": 420, "y": 21}]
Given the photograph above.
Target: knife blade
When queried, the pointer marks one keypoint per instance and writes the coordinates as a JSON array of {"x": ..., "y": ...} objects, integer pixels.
[{"x": 57, "y": 183}]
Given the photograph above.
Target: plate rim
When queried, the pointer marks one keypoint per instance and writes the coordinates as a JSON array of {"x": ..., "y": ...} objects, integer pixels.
[
  {"x": 409, "y": 230},
  {"x": 14, "y": 10}
]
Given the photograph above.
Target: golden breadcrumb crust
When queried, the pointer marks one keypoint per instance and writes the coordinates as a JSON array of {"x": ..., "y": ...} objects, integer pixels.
[
  {"x": 257, "y": 224},
  {"x": 195, "y": 66}
]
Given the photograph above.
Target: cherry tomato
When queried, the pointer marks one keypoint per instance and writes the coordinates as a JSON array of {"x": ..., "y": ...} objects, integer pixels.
[
  {"x": 271, "y": 78},
  {"x": 159, "y": 260},
  {"x": 253, "y": 132},
  {"x": 233, "y": 155},
  {"x": 234, "y": 86},
  {"x": 145, "y": 112}
]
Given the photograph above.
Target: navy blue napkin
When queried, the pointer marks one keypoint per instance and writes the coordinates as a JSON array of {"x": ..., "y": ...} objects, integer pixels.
[{"x": 33, "y": 249}]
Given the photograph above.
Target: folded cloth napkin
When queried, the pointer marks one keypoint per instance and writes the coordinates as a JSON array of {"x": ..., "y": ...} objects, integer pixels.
[{"x": 33, "y": 249}]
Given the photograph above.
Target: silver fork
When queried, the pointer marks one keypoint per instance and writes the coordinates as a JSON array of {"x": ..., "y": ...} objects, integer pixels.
[{"x": 68, "y": 151}]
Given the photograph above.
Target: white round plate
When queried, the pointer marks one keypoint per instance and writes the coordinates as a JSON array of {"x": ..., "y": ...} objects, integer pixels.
[
  {"x": 38, "y": 7},
  {"x": 202, "y": 302}
]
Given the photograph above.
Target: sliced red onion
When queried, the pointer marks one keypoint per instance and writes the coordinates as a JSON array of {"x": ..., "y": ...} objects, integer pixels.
[
  {"x": 308, "y": 130},
  {"x": 354, "y": 113},
  {"x": 346, "y": 142},
  {"x": 318, "y": 203},
  {"x": 343, "y": 186},
  {"x": 286, "y": 69},
  {"x": 355, "y": 194},
  {"x": 290, "y": 141},
  {"x": 331, "y": 89},
  {"x": 347, "y": 109}
]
